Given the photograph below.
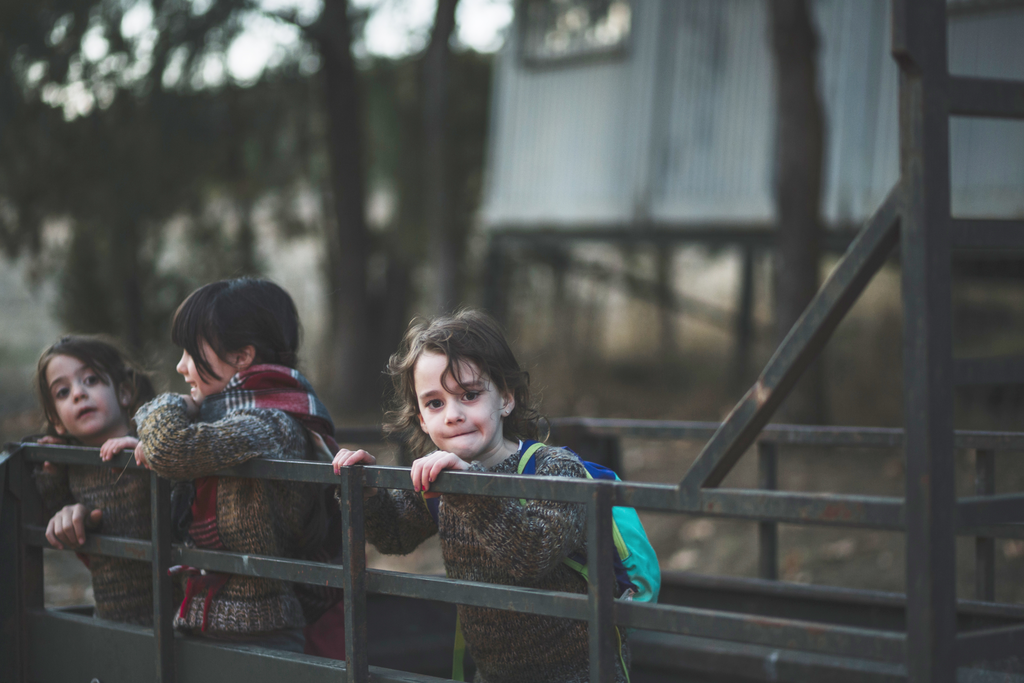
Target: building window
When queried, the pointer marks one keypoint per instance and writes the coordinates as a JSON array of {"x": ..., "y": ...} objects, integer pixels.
[{"x": 558, "y": 30}]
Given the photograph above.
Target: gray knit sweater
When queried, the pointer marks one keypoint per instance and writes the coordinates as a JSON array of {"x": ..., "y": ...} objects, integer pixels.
[
  {"x": 502, "y": 541},
  {"x": 254, "y": 516}
]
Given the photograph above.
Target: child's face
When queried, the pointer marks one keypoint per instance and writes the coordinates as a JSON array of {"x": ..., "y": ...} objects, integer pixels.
[
  {"x": 466, "y": 422},
  {"x": 201, "y": 387},
  {"x": 87, "y": 406}
]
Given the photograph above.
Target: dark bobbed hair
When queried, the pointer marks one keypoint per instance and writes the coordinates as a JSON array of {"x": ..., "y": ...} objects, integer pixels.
[
  {"x": 107, "y": 359},
  {"x": 232, "y": 314},
  {"x": 471, "y": 336}
]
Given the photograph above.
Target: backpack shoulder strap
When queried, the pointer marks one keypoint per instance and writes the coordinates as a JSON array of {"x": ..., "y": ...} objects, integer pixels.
[
  {"x": 527, "y": 463},
  {"x": 433, "y": 506}
]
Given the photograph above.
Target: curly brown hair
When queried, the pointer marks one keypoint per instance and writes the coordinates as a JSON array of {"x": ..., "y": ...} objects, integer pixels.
[
  {"x": 467, "y": 336},
  {"x": 105, "y": 357}
]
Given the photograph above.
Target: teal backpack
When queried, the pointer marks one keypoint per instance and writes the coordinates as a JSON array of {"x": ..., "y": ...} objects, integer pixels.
[{"x": 637, "y": 573}]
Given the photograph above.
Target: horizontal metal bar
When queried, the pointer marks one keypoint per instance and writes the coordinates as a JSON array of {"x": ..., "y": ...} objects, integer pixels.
[
  {"x": 871, "y": 512},
  {"x": 98, "y": 544},
  {"x": 688, "y": 657},
  {"x": 986, "y": 97},
  {"x": 796, "y": 435},
  {"x": 990, "y": 645},
  {"x": 76, "y": 455},
  {"x": 109, "y": 651},
  {"x": 997, "y": 441},
  {"x": 262, "y": 566},
  {"x": 640, "y": 429},
  {"x": 1015, "y": 531},
  {"x": 990, "y": 510},
  {"x": 476, "y": 594},
  {"x": 478, "y": 483},
  {"x": 960, "y": 8},
  {"x": 846, "y": 606},
  {"x": 988, "y": 371},
  {"x": 995, "y": 235},
  {"x": 835, "y": 238},
  {"x": 811, "y": 636}
]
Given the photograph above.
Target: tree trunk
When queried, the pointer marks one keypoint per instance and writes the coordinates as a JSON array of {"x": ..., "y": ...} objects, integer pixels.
[
  {"x": 351, "y": 376},
  {"x": 663, "y": 256},
  {"x": 438, "y": 212},
  {"x": 131, "y": 287},
  {"x": 799, "y": 152}
]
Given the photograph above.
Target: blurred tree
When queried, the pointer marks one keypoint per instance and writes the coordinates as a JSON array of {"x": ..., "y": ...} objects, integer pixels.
[
  {"x": 158, "y": 170},
  {"x": 800, "y": 134},
  {"x": 93, "y": 129},
  {"x": 437, "y": 209}
]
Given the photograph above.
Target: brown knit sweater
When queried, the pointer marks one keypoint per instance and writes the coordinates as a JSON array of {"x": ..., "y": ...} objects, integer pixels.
[
  {"x": 123, "y": 589},
  {"x": 254, "y": 516},
  {"x": 502, "y": 541}
]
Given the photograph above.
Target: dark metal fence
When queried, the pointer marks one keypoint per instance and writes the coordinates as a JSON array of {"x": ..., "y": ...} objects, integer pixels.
[
  {"x": 937, "y": 638},
  {"x": 779, "y": 623}
]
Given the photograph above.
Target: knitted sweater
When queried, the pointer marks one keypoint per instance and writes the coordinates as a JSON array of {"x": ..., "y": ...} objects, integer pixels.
[
  {"x": 502, "y": 541},
  {"x": 254, "y": 516},
  {"x": 123, "y": 589}
]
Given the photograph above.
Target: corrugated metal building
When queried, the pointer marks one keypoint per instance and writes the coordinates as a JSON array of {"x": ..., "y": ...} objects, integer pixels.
[{"x": 666, "y": 118}]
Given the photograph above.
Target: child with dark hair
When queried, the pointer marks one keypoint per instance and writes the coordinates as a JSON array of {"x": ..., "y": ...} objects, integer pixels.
[
  {"x": 89, "y": 390},
  {"x": 460, "y": 390},
  {"x": 240, "y": 340}
]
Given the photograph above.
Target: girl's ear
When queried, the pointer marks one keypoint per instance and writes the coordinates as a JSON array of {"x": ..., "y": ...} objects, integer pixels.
[
  {"x": 243, "y": 358},
  {"x": 124, "y": 396},
  {"x": 59, "y": 428},
  {"x": 423, "y": 425},
  {"x": 508, "y": 406}
]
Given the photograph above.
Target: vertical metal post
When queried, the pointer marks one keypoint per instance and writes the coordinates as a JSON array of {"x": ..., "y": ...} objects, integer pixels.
[
  {"x": 30, "y": 581},
  {"x": 985, "y": 548},
  {"x": 767, "y": 532},
  {"x": 919, "y": 46},
  {"x": 495, "y": 284},
  {"x": 604, "y": 641},
  {"x": 744, "y": 319},
  {"x": 9, "y": 617},
  {"x": 353, "y": 548},
  {"x": 163, "y": 601}
]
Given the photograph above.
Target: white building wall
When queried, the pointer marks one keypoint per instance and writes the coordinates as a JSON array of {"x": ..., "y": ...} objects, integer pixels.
[{"x": 681, "y": 128}]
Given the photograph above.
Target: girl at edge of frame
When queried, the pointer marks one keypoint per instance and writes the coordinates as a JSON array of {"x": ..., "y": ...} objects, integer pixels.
[
  {"x": 460, "y": 390},
  {"x": 239, "y": 341},
  {"x": 89, "y": 390}
]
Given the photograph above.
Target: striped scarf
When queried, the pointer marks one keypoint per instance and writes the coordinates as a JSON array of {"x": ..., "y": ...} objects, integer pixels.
[{"x": 277, "y": 387}]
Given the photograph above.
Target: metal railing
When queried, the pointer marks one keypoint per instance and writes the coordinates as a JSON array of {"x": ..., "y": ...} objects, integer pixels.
[{"x": 849, "y": 647}]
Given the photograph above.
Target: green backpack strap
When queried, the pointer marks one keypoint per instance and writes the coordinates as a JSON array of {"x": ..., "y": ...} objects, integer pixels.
[
  {"x": 525, "y": 459},
  {"x": 459, "y": 651}
]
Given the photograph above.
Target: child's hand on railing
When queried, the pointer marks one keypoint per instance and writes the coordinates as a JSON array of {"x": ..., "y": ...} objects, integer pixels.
[
  {"x": 68, "y": 526},
  {"x": 347, "y": 458},
  {"x": 426, "y": 469},
  {"x": 112, "y": 447},
  {"x": 49, "y": 467},
  {"x": 140, "y": 456}
]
